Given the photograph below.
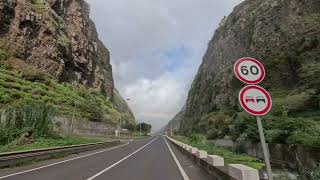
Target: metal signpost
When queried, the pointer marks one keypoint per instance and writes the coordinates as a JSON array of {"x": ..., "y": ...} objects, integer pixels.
[{"x": 254, "y": 99}]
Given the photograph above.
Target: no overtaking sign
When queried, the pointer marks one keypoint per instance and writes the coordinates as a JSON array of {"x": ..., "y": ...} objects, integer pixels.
[{"x": 254, "y": 99}]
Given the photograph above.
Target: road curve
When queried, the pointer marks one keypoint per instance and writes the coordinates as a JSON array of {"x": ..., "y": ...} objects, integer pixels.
[{"x": 147, "y": 159}]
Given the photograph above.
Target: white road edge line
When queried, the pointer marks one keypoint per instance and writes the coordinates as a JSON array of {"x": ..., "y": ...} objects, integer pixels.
[
  {"x": 60, "y": 162},
  {"x": 183, "y": 173},
  {"x": 113, "y": 165}
]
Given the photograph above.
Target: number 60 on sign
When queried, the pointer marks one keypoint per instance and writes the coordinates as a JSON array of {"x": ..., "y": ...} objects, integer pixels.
[{"x": 249, "y": 70}]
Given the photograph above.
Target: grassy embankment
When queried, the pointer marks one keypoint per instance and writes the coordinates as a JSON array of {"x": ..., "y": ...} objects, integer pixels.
[
  {"x": 230, "y": 157},
  {"x": 31, "y": 100},
  {"x": 29, "y": 84},
  {"x": 41, "y": 143}
]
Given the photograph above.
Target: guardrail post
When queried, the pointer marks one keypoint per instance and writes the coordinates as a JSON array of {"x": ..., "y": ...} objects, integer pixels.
[
  {"x": 215, "y": 160},
  {"x": 242, "y": 172},
  {"x": 193, "y": 150},
  {"x": 201, "y": 154}
]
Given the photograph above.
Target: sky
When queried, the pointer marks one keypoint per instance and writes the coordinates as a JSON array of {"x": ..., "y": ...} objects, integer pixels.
[{"x": 156, "y": 47}]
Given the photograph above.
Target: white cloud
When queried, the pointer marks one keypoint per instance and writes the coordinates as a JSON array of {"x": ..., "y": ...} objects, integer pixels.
[
  {"x": 138, "y": 33},
  {"x": 156, "y": 100}
]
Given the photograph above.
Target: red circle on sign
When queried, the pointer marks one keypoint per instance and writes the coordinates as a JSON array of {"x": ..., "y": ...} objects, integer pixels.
[
  {"x": 241, "y": 78},
  {"x": 250, "y": 110}
]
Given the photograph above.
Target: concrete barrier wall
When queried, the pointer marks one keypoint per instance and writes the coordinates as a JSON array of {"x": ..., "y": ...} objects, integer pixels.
[
  {"x": 82, "y": 127},
  {"x": 215, "y": 165}
]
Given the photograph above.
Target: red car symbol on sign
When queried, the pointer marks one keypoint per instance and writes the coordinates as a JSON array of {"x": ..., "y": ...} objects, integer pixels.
[
  {"x": 249, "y": 99},
  {"x": 255, "y": 100}
]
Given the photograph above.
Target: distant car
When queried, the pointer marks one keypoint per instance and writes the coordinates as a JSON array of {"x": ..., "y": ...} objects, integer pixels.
[
  {"x": 261, "y": 99},
  {"x": 249, "y": 99}
]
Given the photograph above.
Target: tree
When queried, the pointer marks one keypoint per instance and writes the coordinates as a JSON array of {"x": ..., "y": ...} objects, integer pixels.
[
  {"x": 145, "y": 128},
  {"x": 131, "y": 127}
]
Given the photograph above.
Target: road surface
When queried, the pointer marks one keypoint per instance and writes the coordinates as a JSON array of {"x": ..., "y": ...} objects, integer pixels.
[{"x": 149, "y": 159}]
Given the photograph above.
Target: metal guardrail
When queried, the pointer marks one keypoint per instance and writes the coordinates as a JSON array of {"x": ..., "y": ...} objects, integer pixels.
[{"x": 19, "y": 157}]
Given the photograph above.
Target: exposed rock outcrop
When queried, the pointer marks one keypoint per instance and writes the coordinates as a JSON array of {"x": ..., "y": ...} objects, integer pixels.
[{"x": 57, "y": 37}]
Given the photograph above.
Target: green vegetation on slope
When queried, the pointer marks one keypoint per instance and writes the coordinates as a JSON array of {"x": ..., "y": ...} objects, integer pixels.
[
  {"x": 29, "y": 125},
  {"x": 289, "y": 121},
  {"x": 199, "y": 142},
  {"x": 29, "y": 84}
]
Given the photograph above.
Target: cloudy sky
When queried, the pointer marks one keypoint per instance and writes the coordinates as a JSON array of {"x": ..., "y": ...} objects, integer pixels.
[{"x": 156, "y": 48}]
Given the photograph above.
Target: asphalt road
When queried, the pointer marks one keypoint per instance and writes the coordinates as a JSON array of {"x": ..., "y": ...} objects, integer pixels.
[{"x": 148, "y": 159}]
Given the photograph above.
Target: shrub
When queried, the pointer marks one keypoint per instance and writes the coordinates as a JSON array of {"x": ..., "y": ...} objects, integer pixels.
[
  {"x": 315, "y": 174},
  {"x": 297, "y": 102},
  {"x": 196, "y": 138},
  {"x": 280, "y": 108},
  {"x": 131, "y": 127},
  {"x": 34, "y": 75},
  {"x": 212, "y": 133},
  {"x": 309, "y": 134},
  {"x": 245, "y": 126},
  {"x": 92, "y": 110},
  {"x": 3, "y": 55}
]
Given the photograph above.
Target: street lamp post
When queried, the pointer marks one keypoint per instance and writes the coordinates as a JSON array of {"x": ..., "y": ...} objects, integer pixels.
[{"x": 120, "y": 123}]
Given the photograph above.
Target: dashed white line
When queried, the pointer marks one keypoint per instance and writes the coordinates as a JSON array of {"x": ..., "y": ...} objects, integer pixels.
[
  {"x": 183, "y": 173},
  {"x": 113, "y": 165},
  {"x": 34, "y": 169}
]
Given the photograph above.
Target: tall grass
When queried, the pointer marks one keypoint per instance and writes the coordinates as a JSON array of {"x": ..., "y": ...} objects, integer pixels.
[{"x": 27, "y": 119}]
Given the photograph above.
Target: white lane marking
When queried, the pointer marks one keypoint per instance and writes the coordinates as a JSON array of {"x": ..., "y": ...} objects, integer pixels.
[
  {"x": 34, "y": 169},
  {"x": 183, "y": 173},
  {"x": 113, "y": 165}
]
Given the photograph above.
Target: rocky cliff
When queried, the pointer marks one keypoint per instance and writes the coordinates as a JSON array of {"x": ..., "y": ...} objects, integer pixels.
[
  {"x": 285, "y": 36},
  {"x": 176, "y": 120},
  {"x": 58, "y": 38}
]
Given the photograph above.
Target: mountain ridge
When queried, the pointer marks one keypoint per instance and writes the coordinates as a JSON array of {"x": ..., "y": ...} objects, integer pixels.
[
  {"x": 285, "y": 36},
  {"x": 57, "y": 38}
]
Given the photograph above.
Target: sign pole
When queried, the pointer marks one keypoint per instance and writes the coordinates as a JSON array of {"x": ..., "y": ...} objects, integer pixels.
[
  {"x": 265, "y": 149},
  {"x": 254, "y": 99}
]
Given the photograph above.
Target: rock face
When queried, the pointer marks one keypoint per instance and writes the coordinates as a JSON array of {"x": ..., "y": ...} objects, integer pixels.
[
  {"x": 284, "y": 35},
  {"x": 57, "y": 37},
  {"x": 123, "y": 107},
  {"x": 175, "y": 122}
]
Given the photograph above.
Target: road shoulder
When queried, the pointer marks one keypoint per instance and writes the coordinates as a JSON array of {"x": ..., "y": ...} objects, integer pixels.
[{"x": 193, "y": 171}]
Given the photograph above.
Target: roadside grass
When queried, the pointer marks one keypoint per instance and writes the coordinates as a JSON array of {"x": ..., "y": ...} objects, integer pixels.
[
  {"x": 229, "y": 156},
  {"x": 52, "y": 142},
  {"x": 133, "y": 136},
  {"x": 140, "y": 137},
  {"x": 136, "y": 135}
]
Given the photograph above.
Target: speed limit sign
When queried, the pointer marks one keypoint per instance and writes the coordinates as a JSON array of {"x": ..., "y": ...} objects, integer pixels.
[
  {"x": 254, "y": 99},
  {"x": 249, "y": 70}
]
